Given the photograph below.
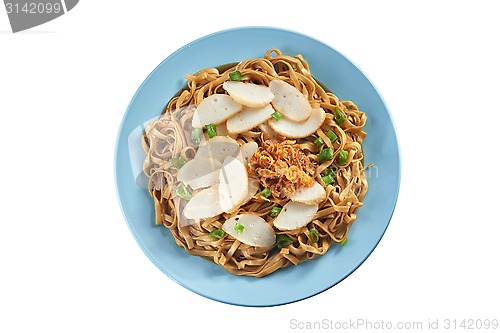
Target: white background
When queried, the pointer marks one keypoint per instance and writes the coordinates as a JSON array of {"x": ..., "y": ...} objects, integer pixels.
[{"x": 68, "y": 261}]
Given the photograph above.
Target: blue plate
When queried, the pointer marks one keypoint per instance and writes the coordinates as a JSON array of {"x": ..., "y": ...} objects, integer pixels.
[{"x": 294, "y": 283}]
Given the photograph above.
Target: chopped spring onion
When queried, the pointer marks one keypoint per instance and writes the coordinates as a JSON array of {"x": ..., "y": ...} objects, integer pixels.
[
  {"x": 330, "y": 172},
  {"x": 325, "y": 154},
  {"x": 196, "y": 135},
  {"x": 327, "y": 179},
  {"x": 275, "y": 211},
  {"x": 283, "y": 241},
  {"x": 276, "y": 115},
  {"x": 239, "y": 228},
  {"x": 314, "y": 234},
  {"x": 266, "y": 193},
  {"x": 344, "y": 242},
  {"x": 343, "y": 154},
  {"x": 329, "y": 176},
  {"x": 177, "y": 162},
  {"x": 183, "y": 192},
  {"x": 319, "y": 141},
  {"x": 235, "y": 76},
  {"x": 212, "y": 130},
  {"x": 339, "y": 116},
  {"x": 332, "y": 136},
  {"x": 217, "y": 233}
]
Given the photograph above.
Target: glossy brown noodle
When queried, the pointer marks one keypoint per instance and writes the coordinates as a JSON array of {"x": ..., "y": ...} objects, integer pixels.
[{"x": 169, "y": 137}]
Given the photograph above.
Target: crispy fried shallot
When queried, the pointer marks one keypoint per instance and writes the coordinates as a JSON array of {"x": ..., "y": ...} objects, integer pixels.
[{"x": 282, "y": 167}]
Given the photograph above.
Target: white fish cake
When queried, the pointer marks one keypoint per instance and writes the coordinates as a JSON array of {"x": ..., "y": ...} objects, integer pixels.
[
  {"x": 248, "y": 149},
  {"x": 264, "y": 127},
  {"x": 253, "y": 187},
  {"x": 249, "y": 118},
  {"x": 233, "y": 184},
  {"x": 249, "y": 94},
  {"x": 295, "y": 215},
  {"x": 200, "y": 172},
  {"x": 289, "y": 101},
  {"x": 204, "y": 204},
  {"x": 310, "y": 195},
  {"x": 292, "y": 129},
  {"x": 215, "y": 109},
  {"x": 218, "y": 148},
  {"x": 252, "y": 230}
]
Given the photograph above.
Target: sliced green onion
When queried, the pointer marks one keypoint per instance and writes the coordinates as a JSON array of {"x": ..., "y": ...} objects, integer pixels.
[
  {"x": 283, "y": 241},
  {"x": 332, "y": 136},
  {"x": 212, "y": 130},
  {"x": 319, "y": 141},
  {"x": 344, "y": 242},
  {"x": 235, "y": 76},
  {"x": 183, "y": 192},
  {"x": 217, "y": 233},
  {"x": 239, "y": 228},
  {"x": 196, "y": 135},
  {"x": 275, "y": 211},
  {"x": 327, "y": 179},
  {"x": 276, "y": 115},
  {"x": 339, "y": 116},
  {"x": 330, "y": 172},
  {"x": 314, "y": 234},
  {"x": 329, "y": 176},
  {"x": 325, "y": 154},
  {"x": 266, "y": 193},
  {"x": 343, "y": 154},
  {"x": 177, "y": 162}
]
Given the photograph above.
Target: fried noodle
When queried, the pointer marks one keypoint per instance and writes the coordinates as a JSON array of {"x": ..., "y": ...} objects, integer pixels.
[{"x": 280, "y": 164}]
